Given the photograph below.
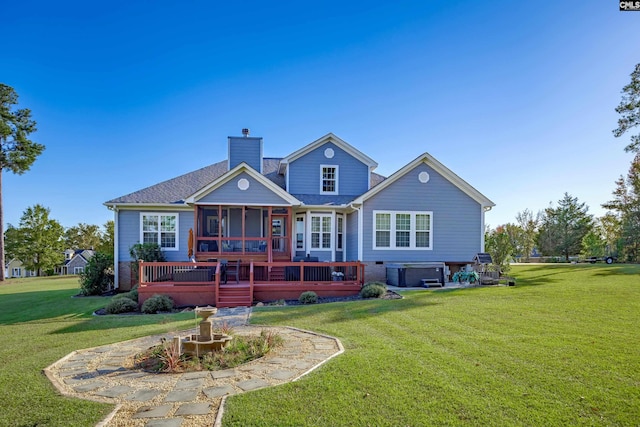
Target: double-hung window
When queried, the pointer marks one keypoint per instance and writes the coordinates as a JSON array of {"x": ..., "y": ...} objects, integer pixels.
[
  {"x": 160, "y": 228},
  {"x": 403, "y": 230},
  {"x": 321, "y": 231},
  {"x": 328, "y": 179}
]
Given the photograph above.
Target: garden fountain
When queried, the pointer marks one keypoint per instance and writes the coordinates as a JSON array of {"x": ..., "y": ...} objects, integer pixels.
[{"x": 206, "y": 341}]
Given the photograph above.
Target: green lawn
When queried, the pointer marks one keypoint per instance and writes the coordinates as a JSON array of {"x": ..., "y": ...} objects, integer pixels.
[
  {"x": 40, "y": 322},
  {"x": 560, "y": 348}
]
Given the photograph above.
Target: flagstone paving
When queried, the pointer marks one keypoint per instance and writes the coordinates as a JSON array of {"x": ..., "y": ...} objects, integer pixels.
[{"x": 184, "y": 399}]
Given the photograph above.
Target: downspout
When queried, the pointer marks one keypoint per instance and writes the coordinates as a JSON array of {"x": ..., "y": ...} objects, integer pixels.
[
  {"x": 116, "y": 252},
  {"x": 482, "y": 226}
]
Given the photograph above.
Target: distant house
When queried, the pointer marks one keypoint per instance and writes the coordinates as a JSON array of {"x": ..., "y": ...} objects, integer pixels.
[
  {"x": 75, "y": 261},
  {"x": 15, "y": 269},
  {"x": 322, "y": 202}
]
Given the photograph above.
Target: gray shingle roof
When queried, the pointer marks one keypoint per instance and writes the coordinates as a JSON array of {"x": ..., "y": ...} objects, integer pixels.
[{"x": 176, "y": 190}]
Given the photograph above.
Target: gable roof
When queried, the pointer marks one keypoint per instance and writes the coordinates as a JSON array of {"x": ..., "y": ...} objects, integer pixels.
[
  {"x": 242, "y": 167},
  {"x": 430, "y": 161},
  {"x": 330, "y": 137},
  {"x": 176, "y": 190}
]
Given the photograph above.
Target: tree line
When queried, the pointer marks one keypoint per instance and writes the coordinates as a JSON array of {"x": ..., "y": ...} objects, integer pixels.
[
  {"x": 39, "y": 241},
  {"x": 568, "y": 229}
]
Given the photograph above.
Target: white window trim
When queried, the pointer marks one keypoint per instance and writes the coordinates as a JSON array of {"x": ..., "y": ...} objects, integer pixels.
[
  {"x": 78, "y": 270},
  {"x": 159, "y": 214},
  {"x": 331, "y": 232},
  {"x": 336, "y": 179},
  {"x": 412, "y": 235}
]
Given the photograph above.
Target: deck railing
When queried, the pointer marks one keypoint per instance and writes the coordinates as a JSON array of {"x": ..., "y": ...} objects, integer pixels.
[{"x": 208, "y": 273}]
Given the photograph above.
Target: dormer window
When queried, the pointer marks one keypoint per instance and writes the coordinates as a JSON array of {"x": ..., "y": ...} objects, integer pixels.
[{"x": 328, "y": 179}]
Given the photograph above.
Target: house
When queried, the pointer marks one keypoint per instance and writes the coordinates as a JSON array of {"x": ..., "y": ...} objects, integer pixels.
[
  {"x": 15, "y": 269},
  {"x": 322, "y": 202},
  {"x": 75, "y": 261}
]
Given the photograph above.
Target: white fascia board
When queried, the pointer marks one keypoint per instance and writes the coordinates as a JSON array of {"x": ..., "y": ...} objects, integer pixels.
[
  {"x": 447, "y": 173},
  {"x": 155, "y": 206},
  {"x": 242, "y": 167},
  {"x": 330, "y": 137}
]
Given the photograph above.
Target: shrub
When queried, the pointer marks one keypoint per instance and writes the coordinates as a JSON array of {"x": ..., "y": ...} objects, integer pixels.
[
  {"x": 121, "y": 305},
  {"x": 373, "y": 290},
  {"x": 157, "y": 303},
  {"x": 97, "y": 277},
  {"x": 149, "y": 252},
  {"x": 132, "y": 295},
  {"x": 308, "y": 297}
]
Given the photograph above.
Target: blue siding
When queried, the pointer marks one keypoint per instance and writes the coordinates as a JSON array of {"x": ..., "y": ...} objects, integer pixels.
[
  {"x": 248, "y": 150},
  {"x": 304, "y": 173},
  {"x": 129, "y": 234},
  {"x": 457, "y": 224},
  {"x": 256, "y": 194}
]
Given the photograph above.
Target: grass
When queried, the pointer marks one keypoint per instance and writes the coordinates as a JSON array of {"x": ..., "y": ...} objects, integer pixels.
[
  {"x": 40, "y": 323},
  {"x": 560, "y": 348}
]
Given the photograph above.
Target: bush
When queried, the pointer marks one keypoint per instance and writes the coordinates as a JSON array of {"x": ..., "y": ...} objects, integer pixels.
[
  {"x": 157, "y": 303},
  {"x": 150, "y": 252},
  {"x": 308, "y": 297},
  {"x": 132, "y": 295},
  {"x": 97, "y": 277},
  {"x": 121, "y": 305},
  {"x": 373, "y": 290}
]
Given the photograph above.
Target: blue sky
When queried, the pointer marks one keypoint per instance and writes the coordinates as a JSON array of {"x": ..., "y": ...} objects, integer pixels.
[{"x": 517, "y": 98}]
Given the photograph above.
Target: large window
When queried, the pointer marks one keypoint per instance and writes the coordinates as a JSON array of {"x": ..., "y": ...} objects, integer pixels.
[
  {"x": 402, "y": 230},
  {"x": 329, "y": 179},
  {"x": 161, "y": 229},
  {"x": 320, "y": 231}
]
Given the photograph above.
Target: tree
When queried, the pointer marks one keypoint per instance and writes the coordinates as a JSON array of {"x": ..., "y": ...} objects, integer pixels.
[
  {"x": 564, "y": 227},
  {"x": 97, "y": 277},
  {"x": 529, "y": 224},
  {"x": 83, "y": 236},
  {"x": 106, "y": 245},
  {"x": 626, "y": 208},
  {"x": 593, "y": 245},
  {"x": 38, "y": 240},
  {"x": 499, "y": 245},
  {"x": 17, "y": 151},
  {"x": 611, "y": 229},
  {"x": 629, "y": 109}
]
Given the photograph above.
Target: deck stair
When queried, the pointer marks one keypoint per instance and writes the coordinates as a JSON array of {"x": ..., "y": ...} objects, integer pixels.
[
  {"x": 235, "y": 295},
  {"x": 276, "y": 274}
]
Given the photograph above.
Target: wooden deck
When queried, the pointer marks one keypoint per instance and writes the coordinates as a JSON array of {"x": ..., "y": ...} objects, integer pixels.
[{"x": 202, "y": 283}]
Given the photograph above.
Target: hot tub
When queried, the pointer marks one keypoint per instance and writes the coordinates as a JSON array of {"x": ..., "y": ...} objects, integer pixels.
[{"x": 411, "y": 274}]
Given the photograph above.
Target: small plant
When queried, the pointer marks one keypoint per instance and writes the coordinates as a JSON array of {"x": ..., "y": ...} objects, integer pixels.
[
  {"x": 157, "y": 303},
  {"x": 337, "y": 275},
  {"x": 132, "y": 295},
  {"x": 373, "y": 290},
  {"x": 170, "y": 356},
  {"x": 121, "y": 305},
  {"x": 308, "y": 297},
  {"x": 225, "y": 329}
]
